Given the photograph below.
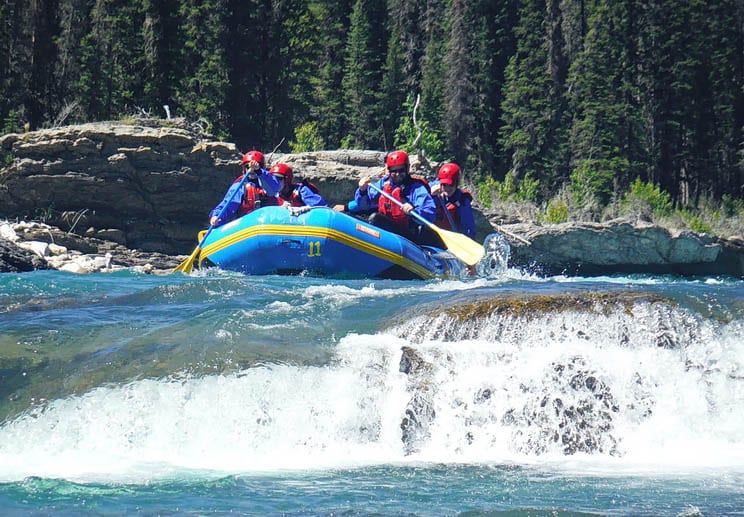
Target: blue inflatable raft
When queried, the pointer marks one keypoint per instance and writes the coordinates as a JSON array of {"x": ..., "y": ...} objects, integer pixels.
[{"x": 275, "y": 240}]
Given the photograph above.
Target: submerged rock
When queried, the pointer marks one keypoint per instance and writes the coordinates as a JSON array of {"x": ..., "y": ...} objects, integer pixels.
[
  {"x": 572, "y": 411},
  {"x": 419, "y": 412}
]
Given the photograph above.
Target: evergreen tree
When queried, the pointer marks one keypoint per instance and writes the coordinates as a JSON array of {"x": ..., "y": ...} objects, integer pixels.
[
  {"x": 14, "y": 59},
  {"x": 295, "y": 38},
  {"x": 607, "y": 132},
  {"x": 725, "y": 79},
  {"x": 409, "y": 20},
  {"x": 495, "y": 44},
  {"x": 111, "y": 82},
  {"x": 707, "y": 83},
  {"x": 574, "y": 26},
  {"x": 660, "y": 34},
  {"x": 159, "y": 52},
  {"x": 327, "y": 95},
  {"x": 433, "y": 78},
  {"x": 40, "y": 88},
  {"x": 689, "y": 121},
  {"x": 459, "y": 90},
  {"x": 417, "y": 48},
  {"x": 590, "y": 91},
  {"x": 534, "y": 103},
  {"x": 202, "y": 91},
  {"x": 362, "y": 75},
  {"x": 247, "y": 52},
  {"x": 28, "y": 53},
  {"x": 393, "y": 90},
  {"x": 479, "y": 46},
  {"x": 74, "y": 24},
  {"x": 271, "y": 54}
]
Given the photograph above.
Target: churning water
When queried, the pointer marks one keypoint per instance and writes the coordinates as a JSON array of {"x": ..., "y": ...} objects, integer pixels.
[{"x": 509, "y": 394}]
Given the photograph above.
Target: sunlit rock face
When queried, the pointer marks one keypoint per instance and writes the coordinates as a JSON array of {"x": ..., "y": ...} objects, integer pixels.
[
  {"x": 621, "y": 247},
  {"x": 149, "y": 184},
  {"x": 153, "y": 183}
]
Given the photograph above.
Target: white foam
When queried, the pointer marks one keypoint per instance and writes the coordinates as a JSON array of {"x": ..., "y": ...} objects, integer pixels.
[{"x": 675, "y": 407}]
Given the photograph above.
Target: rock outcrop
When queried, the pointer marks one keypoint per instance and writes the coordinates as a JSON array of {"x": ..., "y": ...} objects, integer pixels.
[
  {"x": 15, "y": 259},
  {"x": 29, "y": 246},
  {"x": 144, "y": 186},
  {"x": 621, "y": 247},
  {"x": 149, "y": 185}
]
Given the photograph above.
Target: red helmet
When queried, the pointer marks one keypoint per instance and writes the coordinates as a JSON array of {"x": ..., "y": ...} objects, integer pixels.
[
  {"x": 254, "y": 156},
  {"x": 449, "y": 174},
  {"x": 283, "y": 170},
  {"x": 397, "y": 158}
]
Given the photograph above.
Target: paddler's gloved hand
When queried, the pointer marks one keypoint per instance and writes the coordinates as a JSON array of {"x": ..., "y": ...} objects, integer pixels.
[
  {"x": 364, "y": 183},
  {"x": 297, "y": 210}
]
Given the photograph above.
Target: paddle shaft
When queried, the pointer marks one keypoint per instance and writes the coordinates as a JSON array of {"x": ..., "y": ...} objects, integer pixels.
[
  {"x": 415, "y": 214},
  {"x": 447, "y": 213},
  {"x": 222, "y": 212},
  {"x": 460, "y": 245}
]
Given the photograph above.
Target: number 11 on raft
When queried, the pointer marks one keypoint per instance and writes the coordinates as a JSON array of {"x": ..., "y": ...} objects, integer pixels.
[{"x": 314, "y": 249}]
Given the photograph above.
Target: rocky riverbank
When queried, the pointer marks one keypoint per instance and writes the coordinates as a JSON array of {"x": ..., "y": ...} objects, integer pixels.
[
  {"x": 111, "y": 195},
  {"x": 622, "y": 246},
  {"x": 27, "y": 246}
]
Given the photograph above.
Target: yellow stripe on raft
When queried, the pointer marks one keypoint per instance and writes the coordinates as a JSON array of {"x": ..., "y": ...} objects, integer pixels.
[{"x": 316, "y": 231}]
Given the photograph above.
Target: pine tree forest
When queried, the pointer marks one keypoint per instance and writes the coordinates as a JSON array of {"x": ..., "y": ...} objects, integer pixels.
[{"x": 534, "y": 96}]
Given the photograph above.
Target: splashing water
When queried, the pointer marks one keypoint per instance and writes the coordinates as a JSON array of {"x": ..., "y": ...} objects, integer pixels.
[{"x": 268, "y": 382}]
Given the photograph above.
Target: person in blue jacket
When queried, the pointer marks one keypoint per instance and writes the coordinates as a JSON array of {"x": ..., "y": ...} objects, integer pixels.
[
  {"x": 301, "y": 194},
  {"x": 411, "y": 191},
  {"x": 454, "y": 204},
  {"x": 260, "y": 189}
]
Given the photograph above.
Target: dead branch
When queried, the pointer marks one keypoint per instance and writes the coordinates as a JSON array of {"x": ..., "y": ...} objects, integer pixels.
[{"x": 420, "y": 152}]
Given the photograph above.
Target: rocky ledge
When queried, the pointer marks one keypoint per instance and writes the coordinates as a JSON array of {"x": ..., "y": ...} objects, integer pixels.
[
  {"x": 29, "y": 246},
  {"x": 112, "y": 195},
  {"x": 621, "y": 246}
]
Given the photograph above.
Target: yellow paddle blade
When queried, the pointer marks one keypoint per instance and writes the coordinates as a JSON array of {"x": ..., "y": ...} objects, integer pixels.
[
  {"x": 461, "y": 246},
  {"x": 187, "y": 265}
]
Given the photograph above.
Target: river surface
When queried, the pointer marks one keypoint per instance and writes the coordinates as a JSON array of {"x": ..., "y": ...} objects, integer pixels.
[{"x": 509, "y": 394}]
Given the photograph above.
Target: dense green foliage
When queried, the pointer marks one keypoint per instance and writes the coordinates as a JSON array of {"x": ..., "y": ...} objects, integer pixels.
[{"x": 595, "y": 98}]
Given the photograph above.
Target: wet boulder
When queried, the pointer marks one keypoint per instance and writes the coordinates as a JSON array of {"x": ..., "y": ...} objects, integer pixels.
[
  {"x": 419, "y": 412},
  {"x": 15, "y": 259}
]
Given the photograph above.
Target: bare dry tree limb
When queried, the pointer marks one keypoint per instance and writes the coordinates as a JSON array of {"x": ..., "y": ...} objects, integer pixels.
[
  {"x": 78, "y": 215},
  {"x": 416, "y": 124},
  {"x": 419, "y": 151},
  {"x": 142, "y": 112},
  {"x": 275, "y": 148},
  {"x": 66, "y": 111},
  {"x": 513, "y": 235}
]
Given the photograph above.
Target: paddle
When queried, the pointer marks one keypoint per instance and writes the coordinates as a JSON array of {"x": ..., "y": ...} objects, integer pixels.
[
  {"x": 187, "y": 265},
  {"x": 461, "y": 246},
  {"x": 447, "y": 213}
]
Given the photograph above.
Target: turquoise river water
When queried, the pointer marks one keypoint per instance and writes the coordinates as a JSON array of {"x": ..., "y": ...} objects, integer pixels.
[{"x": 510, "y": 394}]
